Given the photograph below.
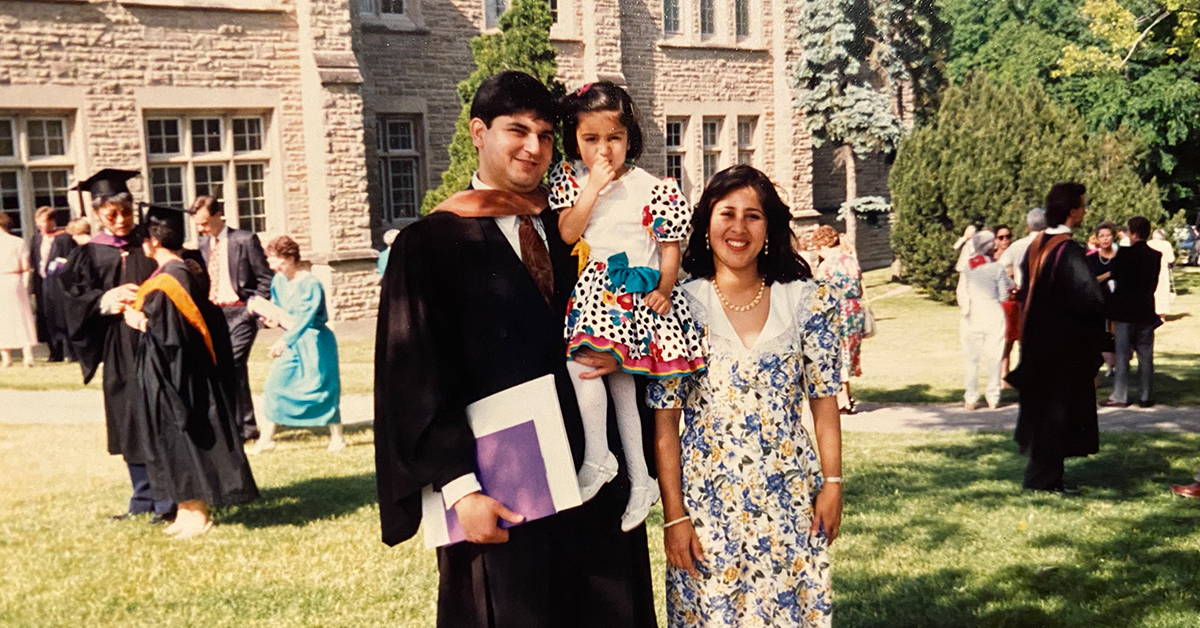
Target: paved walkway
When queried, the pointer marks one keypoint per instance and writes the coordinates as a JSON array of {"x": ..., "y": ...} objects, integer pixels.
[{"x": 86, "y": 406}]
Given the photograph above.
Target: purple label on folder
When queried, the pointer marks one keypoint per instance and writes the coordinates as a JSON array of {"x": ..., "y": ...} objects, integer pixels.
[{"x": 511, "y": 471}]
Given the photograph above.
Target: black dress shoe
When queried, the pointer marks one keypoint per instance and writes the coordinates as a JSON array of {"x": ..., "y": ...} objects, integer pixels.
[
  {"x": 1146, "y": 403},
  {"x": 126, "y": 515},
  {"x": 1109, "y": 403},
  {"x": 161, "y": 518},
  {"x": 1064, "y": 491}
]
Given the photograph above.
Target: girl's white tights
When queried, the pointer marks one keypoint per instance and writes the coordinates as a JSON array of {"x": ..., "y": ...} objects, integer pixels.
[{"x": 599, "y": 464}]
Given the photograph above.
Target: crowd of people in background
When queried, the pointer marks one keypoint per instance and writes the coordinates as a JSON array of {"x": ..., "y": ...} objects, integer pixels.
[
  {"x": 171, "y": 327},
  {"x": 509, "y": 281},
  {"x": 1073, "y": 310}
]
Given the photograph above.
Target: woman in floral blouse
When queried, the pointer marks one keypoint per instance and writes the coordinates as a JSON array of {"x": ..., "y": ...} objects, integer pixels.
[
  {"x": 840, "y": 270},
  {"x": 750, "y": 509}
]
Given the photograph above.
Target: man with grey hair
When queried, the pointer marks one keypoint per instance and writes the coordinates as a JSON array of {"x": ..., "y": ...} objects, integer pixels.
[{"x": 1011, "y": 258}]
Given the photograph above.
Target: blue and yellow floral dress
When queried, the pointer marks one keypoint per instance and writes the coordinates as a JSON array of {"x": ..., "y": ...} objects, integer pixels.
[{"x": 750, "y": 471}]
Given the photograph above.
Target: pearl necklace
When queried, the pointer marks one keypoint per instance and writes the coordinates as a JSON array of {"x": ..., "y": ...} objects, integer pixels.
[{"x": 740, "y": 308}]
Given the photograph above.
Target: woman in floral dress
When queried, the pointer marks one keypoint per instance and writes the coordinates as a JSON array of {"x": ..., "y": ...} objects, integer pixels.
[
  {"x": 750, "y": 509},
  {"x": 840, "y": 270}
]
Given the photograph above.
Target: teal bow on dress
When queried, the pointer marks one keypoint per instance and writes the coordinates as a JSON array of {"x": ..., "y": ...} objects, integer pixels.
[{"x": 640, "y": 279}]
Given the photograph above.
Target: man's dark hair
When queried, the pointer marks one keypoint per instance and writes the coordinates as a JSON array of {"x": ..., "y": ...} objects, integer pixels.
[
  {"x": 778, "y": 261},
  {"x": 602, "y": 96},
  {"x": 997, "y": 229},
  {"x": 512, "y": 92},
  {"x": 214, "y": 207},
  {"x": 1062, "y": 200},
  {"x": 167, "y": 236},
  {"x": 1140, "y": 226}
]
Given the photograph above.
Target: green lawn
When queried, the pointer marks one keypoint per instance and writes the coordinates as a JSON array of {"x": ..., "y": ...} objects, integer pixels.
[
  {"x": 916, "y": 357},
  {"x": 937, "y": 533},
  {"x": 357, "y": 358}
]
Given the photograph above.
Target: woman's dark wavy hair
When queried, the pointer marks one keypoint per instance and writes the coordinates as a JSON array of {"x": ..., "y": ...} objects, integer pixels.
[
  {"x": 601, "y": 96},
  {"x": 166, "y": 234},
  {"x": 777, "y": 262}
]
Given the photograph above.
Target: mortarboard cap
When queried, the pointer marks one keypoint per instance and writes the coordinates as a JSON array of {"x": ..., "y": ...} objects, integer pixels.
[
  {"x": 174, "y": 217},
  {"x": 107, "y": 182}
]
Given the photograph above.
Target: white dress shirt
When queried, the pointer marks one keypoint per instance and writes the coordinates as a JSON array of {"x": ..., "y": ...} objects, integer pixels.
[
  {"x": 225, "y": 291},
  {"x": 44, "y": 257},
  {"x": 509, "y": 225}
]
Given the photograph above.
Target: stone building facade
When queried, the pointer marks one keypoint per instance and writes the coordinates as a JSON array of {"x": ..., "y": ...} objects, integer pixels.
[{"x": 329, "y": 119}]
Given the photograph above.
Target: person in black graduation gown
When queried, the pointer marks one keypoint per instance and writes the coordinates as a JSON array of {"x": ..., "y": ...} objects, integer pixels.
[
  {"x": 53, "y": 297},
  {"x": 39, "y": 256},
  {"x": 194, "y": 451},
  {"x": 99, "y": 280},
  {"x": 1062, "y": 337},
  {"x": 461, "y": 317}
]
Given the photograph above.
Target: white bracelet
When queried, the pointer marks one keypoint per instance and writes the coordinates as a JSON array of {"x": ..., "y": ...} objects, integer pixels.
[
  {"x": 837, "y": 479},
  {"x": 679, "y": 520}
]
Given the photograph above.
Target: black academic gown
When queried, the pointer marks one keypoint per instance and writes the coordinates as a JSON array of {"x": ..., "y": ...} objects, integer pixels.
[
  {"x": 1061, "y": 341},
  {"x": 194, "y": 450},
  {"x": 92, "y": 270},
  {"x": 53, "y": 297},
  {"x": 461, "y": 318}
]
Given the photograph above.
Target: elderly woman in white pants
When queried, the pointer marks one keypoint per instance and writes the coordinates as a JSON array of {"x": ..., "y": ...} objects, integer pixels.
[{"x": 982, "y": 287}]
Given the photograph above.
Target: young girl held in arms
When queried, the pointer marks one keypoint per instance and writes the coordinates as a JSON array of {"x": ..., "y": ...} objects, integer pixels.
[{"x": 625, "y": 302}]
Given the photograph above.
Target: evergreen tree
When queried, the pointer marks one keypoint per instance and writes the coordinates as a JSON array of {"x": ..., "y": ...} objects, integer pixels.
[
  {"x": 987, "y": 158},
  {"x": 523, "y": 44},
  {"x": 857, "y": 59},
  {"x": 1131, "y": 63}
]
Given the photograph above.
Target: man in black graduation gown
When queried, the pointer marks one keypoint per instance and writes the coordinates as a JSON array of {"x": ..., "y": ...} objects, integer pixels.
[
  {"x": 1061, "y": 340},
  {"x": 99, "y": 280},
  {"x": 39, "y": 255},
  {"x": 52, "y": 296},
  {"x": 468, "y": 310}
]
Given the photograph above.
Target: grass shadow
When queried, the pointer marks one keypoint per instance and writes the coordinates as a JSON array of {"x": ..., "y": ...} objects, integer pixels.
[
  {"x": 1176, "y": 379},
  {"x": 1123, "y": 567},
  {"x": 303, "y": 502}
]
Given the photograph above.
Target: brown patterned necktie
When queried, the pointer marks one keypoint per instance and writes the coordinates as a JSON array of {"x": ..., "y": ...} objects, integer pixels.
[{"x": 536, "y": 257}]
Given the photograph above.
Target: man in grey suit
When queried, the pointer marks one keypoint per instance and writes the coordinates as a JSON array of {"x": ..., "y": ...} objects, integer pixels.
[{"x": 237, "y": 270}]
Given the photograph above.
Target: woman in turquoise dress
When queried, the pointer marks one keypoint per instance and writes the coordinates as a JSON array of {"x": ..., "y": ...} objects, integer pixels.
[{"x": 303, "y": 387}]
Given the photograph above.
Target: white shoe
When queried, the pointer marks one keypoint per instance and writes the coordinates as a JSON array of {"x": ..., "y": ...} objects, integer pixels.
[
  {"x": 969, "y": 405},
  {"x": 592, "y": 477},
  {"x": 336, "y": 445},
  {"x": 641, "y": 499}
]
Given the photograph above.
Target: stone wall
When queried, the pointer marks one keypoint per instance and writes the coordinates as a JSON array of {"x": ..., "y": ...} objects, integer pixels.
[
  {"x": 114, "y": 52},
  {"x": 415, "y": 69}
]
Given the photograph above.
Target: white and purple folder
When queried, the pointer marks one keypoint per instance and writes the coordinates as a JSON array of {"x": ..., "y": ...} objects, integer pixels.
[{"x": 523, "y": 457}]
